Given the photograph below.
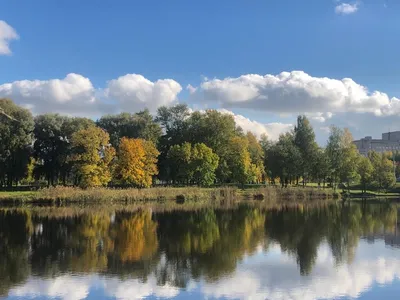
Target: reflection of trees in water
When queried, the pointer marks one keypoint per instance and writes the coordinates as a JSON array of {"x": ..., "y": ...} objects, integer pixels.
[
  {"x": 207, "y": 243},
  {"x": 15, "y": 231},
  {"x": 178, "y": 246},
  {"x": 300, "y": 231}
]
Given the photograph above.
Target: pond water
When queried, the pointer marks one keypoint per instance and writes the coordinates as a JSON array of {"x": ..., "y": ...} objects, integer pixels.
[{"x": 300, "y": 252}]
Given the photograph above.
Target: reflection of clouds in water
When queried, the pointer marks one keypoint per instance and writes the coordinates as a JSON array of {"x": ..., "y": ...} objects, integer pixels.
[
  {"x": 274, "y": 275},
  {"x": 76, "y": 288},
  {"x": 64, "y": 287},
  {"x": 271, "y": 278},
  {"x": 134, "y": 289}
]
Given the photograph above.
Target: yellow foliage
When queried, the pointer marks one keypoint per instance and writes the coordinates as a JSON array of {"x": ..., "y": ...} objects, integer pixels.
[
  {"x": 137, "y": 162},
  {"x": 137, "y": 237},
  {"x": 92, "y": 156}
]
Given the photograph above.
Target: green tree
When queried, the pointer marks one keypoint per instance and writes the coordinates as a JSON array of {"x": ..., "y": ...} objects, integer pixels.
[
  {"x": 284, "y": 159},
  {"x": 215, "y": 130},
  {"x": 203, "y": 164},
  {"x": 178, "y": 163},
  {"x": 304, "y": 139},
  {"x": 350, "y": 158},
  {"x": 173, "y": 121},
  {"x": 138, "y": 125},
  {"x": 343, "y": 157},
  {"x": 16, "y": 126},
  {"x": 320, "y": 164},
  {"x": 365, "y": 170},
  {"x": 383, "y": 175},
  {"x": 50, "y": 146},
  {"x": 92, "y": 156}
]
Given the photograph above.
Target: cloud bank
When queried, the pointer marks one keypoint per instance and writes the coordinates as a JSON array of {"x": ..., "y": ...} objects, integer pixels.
[{"x": 324, "y": 100}]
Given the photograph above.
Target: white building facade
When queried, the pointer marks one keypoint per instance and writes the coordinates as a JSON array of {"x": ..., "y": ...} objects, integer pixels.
[{"x": 390, "y": 142}]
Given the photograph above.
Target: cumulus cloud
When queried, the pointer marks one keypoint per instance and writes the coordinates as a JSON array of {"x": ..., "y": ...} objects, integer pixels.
[
  {"x": 272, "y": 130},
  {"x": 346, "y": 8},
  {"x": 73, "y": 94},
  {"x": 134, "y": 92},
  {"x": 76, "y": 95},
  {"x": 296, "y": 92},
  {"x": 7, "y": 34}
]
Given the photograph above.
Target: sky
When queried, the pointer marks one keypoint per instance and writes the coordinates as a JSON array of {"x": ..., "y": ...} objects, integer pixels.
[{"x": 264, "y": 61}]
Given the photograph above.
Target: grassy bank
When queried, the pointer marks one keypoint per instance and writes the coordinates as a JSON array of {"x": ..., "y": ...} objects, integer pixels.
[{"x": 160, "y": 194}]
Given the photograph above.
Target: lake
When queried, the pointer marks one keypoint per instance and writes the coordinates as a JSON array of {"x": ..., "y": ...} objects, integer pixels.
[{"x": 301, "y": 252}]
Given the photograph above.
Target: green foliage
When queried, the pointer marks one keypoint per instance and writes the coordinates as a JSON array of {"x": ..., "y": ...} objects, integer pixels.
[
  {"x": 192, "y": 164},
  {"x": 138, "y": 125},
  {"x": 383, "y": 175},
  {"x": 365, "y": 170},
  {"x": 203, "y": 164},
  {"x": 304, "y": 139},
  {"x": 16, "y": 126}
]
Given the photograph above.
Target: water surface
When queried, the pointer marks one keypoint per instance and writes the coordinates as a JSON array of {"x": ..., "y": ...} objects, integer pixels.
[{"x": 291, "y": 252}]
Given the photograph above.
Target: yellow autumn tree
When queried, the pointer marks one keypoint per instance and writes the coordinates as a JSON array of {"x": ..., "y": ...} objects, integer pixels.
[
  {"x": 137, "y": 162},
  {"x": 150, "y": 165},
  {"x": 92, "y": 156},
  {"x": 136, "y": 237}
]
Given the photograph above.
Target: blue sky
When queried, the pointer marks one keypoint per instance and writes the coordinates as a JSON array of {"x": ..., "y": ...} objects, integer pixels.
[{"x": 192, "y": 42}]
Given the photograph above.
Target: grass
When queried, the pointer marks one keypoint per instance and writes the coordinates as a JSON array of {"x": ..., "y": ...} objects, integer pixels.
[
  {"x": 71, "y": 194},
  {"x": 18, "y": 194},
  {"x": 163, "y": 194}
]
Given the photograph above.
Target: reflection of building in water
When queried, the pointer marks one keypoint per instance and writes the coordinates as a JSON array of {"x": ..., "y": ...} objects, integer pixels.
[{"x": 390, "y": 141}]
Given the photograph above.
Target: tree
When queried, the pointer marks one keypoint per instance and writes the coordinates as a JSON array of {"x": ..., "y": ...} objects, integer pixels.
[
  {"x": 238, "y": 160},
  {"x": 320, "y": 170},
  {"x": 173, "y": 121},
  {"x": 334, "y": 154},
  {"x": 150, "y": 164},
  {"x": 138, "y": 125},
  {"x": 92, "y": 156},
  {"x": 349, "y": 159},
  {"x": 257, "y": 158},
  {"x": 304, "y": 139},
  {"x": 16, "y": 126},
  {"x": 215, "y": 129},
  {"x": 365, "y": 170},
  {"x": 343, "y": 157},
  {"x": 136, "y": 163},
  {"x": 203, "y": 164},
  {"x": 50, "y": 146},
  {"x": 383, "y": 175},
  {"x": 178, "y": 163}
]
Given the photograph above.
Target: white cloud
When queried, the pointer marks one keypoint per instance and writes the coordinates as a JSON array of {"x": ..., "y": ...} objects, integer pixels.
[
  {"x": 73, "y": 94},
  {"x": 346, "y": 8},
  {"x": 296, "y": 92},
  {"x": 64, "y": 287},
  {"x": 76, "y": 95},
  {"x": 191, "y": 88},
  {"x": 7, "y": 34},
  {"x": 134, "y": 92},
  {"x": 78, "y": 287},
  {"x": 272, "y": 130}
]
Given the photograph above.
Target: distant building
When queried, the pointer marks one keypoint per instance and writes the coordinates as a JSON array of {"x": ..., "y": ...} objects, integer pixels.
[{"x": 390, "y": 142}]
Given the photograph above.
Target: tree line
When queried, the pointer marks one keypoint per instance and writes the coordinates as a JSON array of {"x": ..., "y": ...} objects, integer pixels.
[{"x": 176, "y": 146}]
